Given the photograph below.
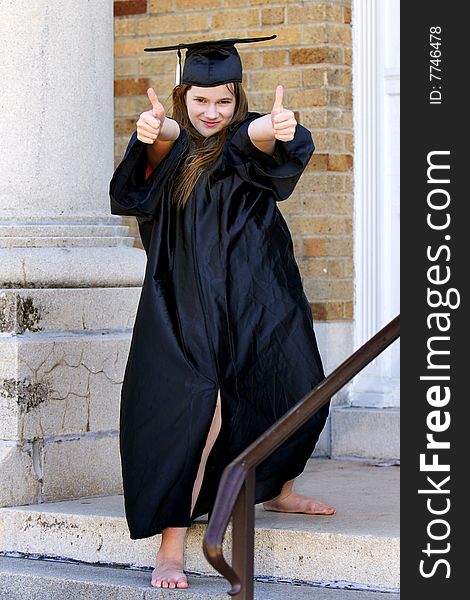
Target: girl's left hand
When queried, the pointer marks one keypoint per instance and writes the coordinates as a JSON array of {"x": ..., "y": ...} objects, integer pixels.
[{"x": 283, "y": 120}]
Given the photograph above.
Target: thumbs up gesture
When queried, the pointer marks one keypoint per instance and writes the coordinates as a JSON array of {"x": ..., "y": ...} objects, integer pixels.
[
  {"x": 283, "y": 120},
  {"x": 150, "y": 122}
]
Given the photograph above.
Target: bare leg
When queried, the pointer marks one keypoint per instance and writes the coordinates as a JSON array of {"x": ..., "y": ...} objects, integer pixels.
[
  {"x": 168, "y": 572},
  {"x": 211, "y": 437},
  {"x": 293, "y": 502}
]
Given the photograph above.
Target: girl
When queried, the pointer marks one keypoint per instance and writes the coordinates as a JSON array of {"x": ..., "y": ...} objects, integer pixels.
[{"x": 223, "y": 341}]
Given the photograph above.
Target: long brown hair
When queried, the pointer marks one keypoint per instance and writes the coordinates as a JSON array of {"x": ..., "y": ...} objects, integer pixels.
[{"x": 203, "y": 151}]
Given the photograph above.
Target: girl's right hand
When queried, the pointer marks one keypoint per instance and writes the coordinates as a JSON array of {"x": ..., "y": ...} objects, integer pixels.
[{"x": 150, "y": 122}]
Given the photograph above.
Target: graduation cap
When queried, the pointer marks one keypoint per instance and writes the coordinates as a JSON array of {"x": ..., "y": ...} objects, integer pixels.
[{"x": 211, "y": 62}]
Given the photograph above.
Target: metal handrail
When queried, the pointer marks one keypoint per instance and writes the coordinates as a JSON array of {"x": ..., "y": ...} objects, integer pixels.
[{"x": 236, "y": 492}]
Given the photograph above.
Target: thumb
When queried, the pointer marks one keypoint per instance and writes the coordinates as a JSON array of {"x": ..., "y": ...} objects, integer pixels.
[
  {"x": 277, "y": 106},
  {"x": 154, "y": 100}
]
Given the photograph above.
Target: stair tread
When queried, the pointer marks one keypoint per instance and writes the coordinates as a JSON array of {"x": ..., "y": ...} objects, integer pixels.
[
  {"x": 22, "y": 578},
  {"x": 365, "y": 495},
  {"x": 359, "y": 545}
]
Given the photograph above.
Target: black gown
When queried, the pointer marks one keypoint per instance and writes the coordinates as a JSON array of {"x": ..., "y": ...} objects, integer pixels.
[{"x": 221, "y": 306}]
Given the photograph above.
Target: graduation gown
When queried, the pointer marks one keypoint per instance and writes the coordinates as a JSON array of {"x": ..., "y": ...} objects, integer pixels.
[{"x": 221, "y": 307}]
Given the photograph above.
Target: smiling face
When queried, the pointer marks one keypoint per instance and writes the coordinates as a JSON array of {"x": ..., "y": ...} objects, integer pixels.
[{"x": 210, "y": 109}]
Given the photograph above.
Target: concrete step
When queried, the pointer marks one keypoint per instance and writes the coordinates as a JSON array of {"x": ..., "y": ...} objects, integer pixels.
[
  {"x": 358, "y": 546},
  {"x": 23, "y": 579},
  {"x": 365, "y": 432}
]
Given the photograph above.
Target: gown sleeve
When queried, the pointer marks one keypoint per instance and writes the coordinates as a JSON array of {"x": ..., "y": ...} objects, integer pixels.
[
  {"x": 278, "y": 173},
  {"x": 132, "y": 192}
]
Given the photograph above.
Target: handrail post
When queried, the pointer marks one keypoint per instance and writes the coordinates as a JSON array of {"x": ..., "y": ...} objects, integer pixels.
[{"x": 243, "y": 537}]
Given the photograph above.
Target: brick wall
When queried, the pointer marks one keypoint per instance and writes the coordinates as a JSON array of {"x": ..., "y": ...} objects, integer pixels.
[{"x": 311, "y": 58}]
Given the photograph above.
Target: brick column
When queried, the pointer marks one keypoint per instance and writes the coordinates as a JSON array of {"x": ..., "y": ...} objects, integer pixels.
[{"x": 69, "y": 276}]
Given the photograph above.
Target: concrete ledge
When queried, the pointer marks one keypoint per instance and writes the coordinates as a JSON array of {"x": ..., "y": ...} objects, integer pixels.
[
  {"x": 365, "y": 432},
  {"x": 359, "y": 545},
  {"x": 22, "y": 579},
  {"x": 65, "y": 310},
  {"x": 71, "y": 267}
]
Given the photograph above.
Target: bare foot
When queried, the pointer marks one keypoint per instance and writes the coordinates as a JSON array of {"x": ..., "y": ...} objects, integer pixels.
[
  {"x": 297, "y": 503},
  {"x": 168, "y": 573}
]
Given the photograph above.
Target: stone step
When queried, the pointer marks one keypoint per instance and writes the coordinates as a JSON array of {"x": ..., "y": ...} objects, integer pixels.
[
  {"x": 358, "y": 546},
  {"x": 23, "y": 579},
  {"x": 365, "y": 432}
]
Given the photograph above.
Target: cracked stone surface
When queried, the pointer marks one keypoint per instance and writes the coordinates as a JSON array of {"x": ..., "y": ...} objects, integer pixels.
[
  {"x": 59, "y": 401},
  {"x": 62, "y": 358},
  {"x": 69, "y": 384}
]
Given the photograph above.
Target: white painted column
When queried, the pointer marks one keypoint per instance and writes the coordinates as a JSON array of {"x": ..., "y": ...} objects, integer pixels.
[
  {"x": 69, "y": 275},
  {"x": 367, "y": 425},
  {"x": 376, "y": 222}
]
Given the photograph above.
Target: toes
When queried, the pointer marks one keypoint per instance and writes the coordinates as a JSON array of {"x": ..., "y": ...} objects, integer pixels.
[
  {"x": 170, "y": 583},
  {"x": 326, "y": 509},
  {"x": 321, "y": 509},
  {"x": 181, "y": 581}
]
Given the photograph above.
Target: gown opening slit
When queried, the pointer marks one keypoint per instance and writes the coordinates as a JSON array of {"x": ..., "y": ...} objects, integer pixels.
[{"x": 214, "y": 432}]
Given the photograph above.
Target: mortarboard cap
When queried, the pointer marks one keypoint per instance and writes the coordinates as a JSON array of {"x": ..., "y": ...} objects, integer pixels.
[{"x": 210, "y": 63}]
